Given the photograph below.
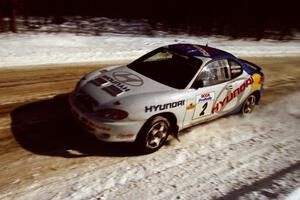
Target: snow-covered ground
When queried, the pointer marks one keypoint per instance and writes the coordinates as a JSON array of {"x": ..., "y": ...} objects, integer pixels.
[
  {"x": 231, "y": 158},
  {"x": 45, "y": 48}
]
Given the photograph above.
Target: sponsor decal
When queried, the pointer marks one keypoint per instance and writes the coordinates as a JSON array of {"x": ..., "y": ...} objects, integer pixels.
[
  {"x": 128, "y": 78},
  {"x": 205, "y": 97},
  {"x": 164, "y": 106},
  {"x": 191, "y": 106},
  {"x": 219, "y": 105},
  {"x": 205, "y": 53},
  {"x": 204, "y": 104},
  {"x": 189, "y": 48},
  {"x": 257, "y": 85},
  {"x": 116, "y": 83}
]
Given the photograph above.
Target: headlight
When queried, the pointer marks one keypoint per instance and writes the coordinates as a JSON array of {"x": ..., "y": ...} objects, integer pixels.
[
  {"x": 77, "y": 87},
  {"x": 112, "y": 114}
]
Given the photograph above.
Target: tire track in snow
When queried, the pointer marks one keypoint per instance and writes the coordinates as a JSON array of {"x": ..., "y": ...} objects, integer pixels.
[
  {"x": 207, "y": 171},
  {"x": 269, "y": 187}
]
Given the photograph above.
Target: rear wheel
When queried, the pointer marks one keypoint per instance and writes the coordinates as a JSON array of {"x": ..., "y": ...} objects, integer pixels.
[
  {"x": 249, "y": 104},
  {"x": 154, "y": 134}
]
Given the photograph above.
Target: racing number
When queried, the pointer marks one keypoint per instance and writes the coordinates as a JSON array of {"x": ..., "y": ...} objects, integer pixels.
[
  {"x": 203, "y": 109},
  {"x": 204, "y": 104}
]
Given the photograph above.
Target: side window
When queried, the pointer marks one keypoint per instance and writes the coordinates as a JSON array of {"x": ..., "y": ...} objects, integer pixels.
[
  {"x": 214, "y": 73},
  {"x": 235, "y": 69}
]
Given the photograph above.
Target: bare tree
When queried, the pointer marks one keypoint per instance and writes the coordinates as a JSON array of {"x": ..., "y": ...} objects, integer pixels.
[
  {"x": 12, "y": 15},
  {"x": 8, "y": 9},
  {"x": 2, "y": 15}
]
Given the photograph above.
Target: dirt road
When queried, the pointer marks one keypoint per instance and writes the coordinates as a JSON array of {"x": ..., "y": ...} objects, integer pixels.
[{"x": 45, "y": 155}]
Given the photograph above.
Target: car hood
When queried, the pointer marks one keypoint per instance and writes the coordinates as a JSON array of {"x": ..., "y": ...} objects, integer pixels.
[{"x": 107, "y": 87}]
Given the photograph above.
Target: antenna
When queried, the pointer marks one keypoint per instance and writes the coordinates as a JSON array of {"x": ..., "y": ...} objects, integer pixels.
[{"x": 206, "y": 44}]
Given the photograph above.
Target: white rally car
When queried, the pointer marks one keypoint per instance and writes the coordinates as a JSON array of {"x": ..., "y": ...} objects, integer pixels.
[{"x": 163, "y": 92}]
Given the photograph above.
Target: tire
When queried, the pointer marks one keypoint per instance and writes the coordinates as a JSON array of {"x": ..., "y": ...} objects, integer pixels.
[
  {"x": 153, "y": 134},
  {"x": 248, "y": 105}
]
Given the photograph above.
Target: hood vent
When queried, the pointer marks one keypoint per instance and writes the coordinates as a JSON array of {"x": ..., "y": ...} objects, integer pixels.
[
  {"x": 113, "y": 90},
  {"x": 103, "y": 71},
  {"x": 99, "y": 81}
]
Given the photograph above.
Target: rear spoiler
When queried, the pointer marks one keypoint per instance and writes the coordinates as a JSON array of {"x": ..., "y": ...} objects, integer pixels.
[{"x": 251, "y": 65}]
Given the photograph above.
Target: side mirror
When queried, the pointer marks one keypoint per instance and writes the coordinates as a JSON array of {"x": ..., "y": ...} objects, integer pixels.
[{"x": 198, "y": 84}]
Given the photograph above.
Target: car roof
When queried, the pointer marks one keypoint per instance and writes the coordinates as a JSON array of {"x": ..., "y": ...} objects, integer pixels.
[{"x": 199, "y": 50}]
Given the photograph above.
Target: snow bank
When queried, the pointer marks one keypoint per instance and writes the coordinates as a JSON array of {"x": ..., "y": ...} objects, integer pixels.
[{"x": 36, "y": 49}]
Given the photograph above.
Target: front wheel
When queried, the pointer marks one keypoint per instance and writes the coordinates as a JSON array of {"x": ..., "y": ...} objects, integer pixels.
[
  {"x": 154, "y": 134},
  {"x": 249, "y": 105}
]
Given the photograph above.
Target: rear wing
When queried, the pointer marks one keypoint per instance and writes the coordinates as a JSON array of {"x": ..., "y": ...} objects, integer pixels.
[{"x": 251, "y": 65}]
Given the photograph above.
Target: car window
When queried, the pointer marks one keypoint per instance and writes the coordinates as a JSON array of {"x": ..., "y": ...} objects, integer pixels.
[
  {"x": 235, "y": 69},
  {"x": 214, "y": 73},
  {"x": 167, "y": 67},
  {"x": 160, "y": 56}
]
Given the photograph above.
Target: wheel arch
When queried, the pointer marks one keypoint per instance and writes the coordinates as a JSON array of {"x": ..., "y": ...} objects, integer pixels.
[
  {"x": 173, "y": 121},
  {"x": 141, "y": 139},
  {"x": 171, "y": 117},
  {"x": 257, "y": 95}
]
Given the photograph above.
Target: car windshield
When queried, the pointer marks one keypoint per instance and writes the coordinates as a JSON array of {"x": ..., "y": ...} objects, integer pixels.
[{"x": 167, "y": 67}]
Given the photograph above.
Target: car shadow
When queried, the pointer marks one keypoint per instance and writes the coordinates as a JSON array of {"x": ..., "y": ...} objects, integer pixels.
[{"x": 48, "y": 128}]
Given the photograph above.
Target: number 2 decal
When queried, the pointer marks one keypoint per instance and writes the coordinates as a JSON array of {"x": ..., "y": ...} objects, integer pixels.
[
  {"x": 204, "y": 108},
  {"x": 204, "y": 103}
]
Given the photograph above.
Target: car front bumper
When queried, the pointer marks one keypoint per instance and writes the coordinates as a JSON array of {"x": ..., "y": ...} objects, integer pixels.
[{"x": 108, "y": 131}]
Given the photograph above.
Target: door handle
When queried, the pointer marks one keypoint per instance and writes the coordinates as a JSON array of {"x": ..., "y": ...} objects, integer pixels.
[{"x": 229, "y": 87}]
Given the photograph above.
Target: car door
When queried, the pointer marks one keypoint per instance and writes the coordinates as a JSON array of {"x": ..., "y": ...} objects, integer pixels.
[
  {"x": 210, "y": 85},
  {"x": 240, "y": 88}
]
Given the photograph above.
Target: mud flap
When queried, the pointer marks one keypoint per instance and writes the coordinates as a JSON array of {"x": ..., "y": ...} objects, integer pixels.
[{"x": 175, "y": 135}]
